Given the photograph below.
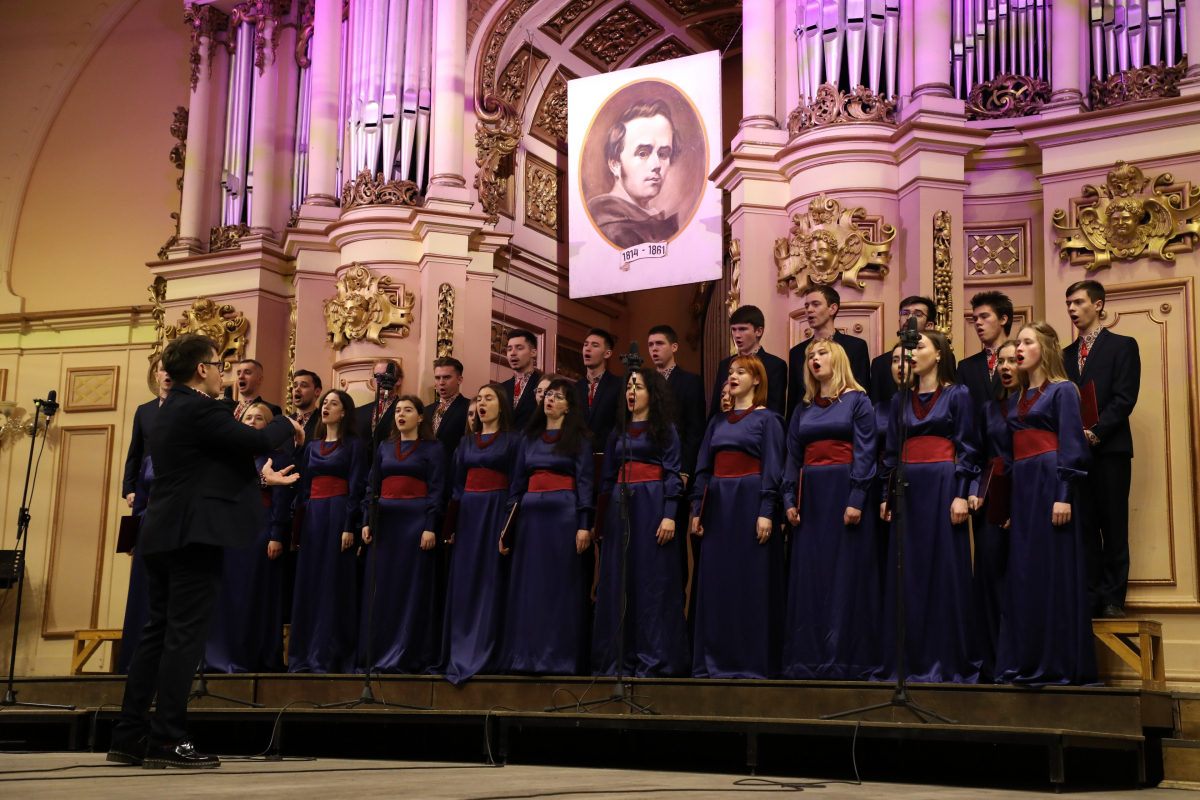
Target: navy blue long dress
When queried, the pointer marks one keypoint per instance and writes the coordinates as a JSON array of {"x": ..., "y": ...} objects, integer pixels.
[
  {"x": 991, "y": 540},
  {"x": 656, "y": 644},
  {"x": 740, "y": 603},
  {"x": 546, "y": 629},
  {"x": 247, "y": 626},
  {"x": 939, "y": 601},
  {"x": 1046, "y": 631},
  {"x": 834, "y": 598},
  {"x": 410, "y": 477},
  {"x": 137, "y": 599},
  {"x": 324, "y": 632},
  {"x": 477, "y": 590}
]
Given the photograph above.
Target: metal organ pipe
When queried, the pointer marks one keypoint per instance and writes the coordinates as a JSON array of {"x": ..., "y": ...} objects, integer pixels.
[
  {"x": 1130, "y": 34},
  {"x": 235, "y": 173},
  {"x": 836, "y": 34}
]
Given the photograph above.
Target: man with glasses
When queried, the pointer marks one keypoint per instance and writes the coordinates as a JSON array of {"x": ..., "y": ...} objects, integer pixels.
[{"x": 924, "y": 311}]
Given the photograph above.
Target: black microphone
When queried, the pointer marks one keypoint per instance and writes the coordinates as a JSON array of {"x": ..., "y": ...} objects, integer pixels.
[
  {"x": 910, "y": 335},
  {"x": 50, "y": 404},
  {"x": 228, "y": 393},
  {"x": 387, "y": 379},
  {"x": 633, "y": 360}
]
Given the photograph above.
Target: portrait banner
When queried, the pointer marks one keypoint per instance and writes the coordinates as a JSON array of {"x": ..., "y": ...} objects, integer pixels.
[{"x": 641, "y": 145}]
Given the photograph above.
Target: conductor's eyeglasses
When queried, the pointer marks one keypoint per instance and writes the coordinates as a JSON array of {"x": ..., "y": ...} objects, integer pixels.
[{"x": 220, "y": 365}]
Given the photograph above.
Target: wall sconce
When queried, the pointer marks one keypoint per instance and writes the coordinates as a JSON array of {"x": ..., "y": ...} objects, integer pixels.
[{"x": 15, "y": 428}]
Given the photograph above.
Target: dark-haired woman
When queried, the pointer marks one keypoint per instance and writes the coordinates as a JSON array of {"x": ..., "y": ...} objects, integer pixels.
[
  {"x": 247, "y": 626},
  {"x": 477, "y": 592},
  {"x": 941, "y": 458},
  {"x": 832, "y": 626},
  {"x": 656, "y": 643},
  {"x": 137, "y": 599},
  {"x": 547, "y": 626},
  {"x": 990, "y": 499},
  {"x": 1046, "y": 627},
  {"x": 333, "y": 479},
  {"x": 399, "y": 603},
  {"x": 735, "y": 503}
]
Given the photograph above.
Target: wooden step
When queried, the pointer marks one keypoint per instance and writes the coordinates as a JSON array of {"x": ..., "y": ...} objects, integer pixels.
[
  {"x": 1181, "y": 764},
  {"x": 1137, "y": 642}
]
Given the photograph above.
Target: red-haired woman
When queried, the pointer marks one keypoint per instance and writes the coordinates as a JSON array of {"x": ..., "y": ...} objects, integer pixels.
[
  {"x": 1046, "y": 627},
  {"x": 740, "y": 601}
]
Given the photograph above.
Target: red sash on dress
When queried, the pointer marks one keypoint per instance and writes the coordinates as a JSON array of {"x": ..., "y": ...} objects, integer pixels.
[
  {"x": 543, "y": 480},
  {"x": 403, "y": 487},
  {"x": 640, "y": 472},
  {"x": 1032, "y": 442},
  {"x": 324, "y": 486},
  {"x": 928, "y": 450},
  {"x": 735, "y": 464},
  {"x": 481, "y": 479},
  {"x": 828, "y": 452}
]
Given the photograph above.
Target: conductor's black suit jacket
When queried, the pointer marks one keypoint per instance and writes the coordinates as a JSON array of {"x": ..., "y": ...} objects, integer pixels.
[
  {"x": 1115, "y": 367},
  {"x": 205, "y": 486},
  {"x": 143, "y": 421}
]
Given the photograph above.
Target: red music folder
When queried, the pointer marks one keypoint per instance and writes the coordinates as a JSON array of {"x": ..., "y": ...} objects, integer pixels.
[
  {"x": 451, "y": 519},
  {"x": 127, "y": 533},
  {"x": 602, "y": 513},
  {"x": 297, "y": 527},
  {"x": 1000, "y": 502},
  {"x": 1087, "y": 404}
]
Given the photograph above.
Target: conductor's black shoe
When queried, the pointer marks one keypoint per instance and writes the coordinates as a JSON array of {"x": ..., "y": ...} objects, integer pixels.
[
  {"x": 182, "y": 754},
  {"x": 1112, "y": 612},
  {"x": 132, "y": 751}
]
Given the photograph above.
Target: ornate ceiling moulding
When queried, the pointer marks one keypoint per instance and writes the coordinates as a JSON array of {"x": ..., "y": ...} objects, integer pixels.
[
  {"x": 221, "y": 323},
  {"x": 178, "y": 155},
  {"x": 259, "y": 13},
  {"x": 943, "y": 273},
  {"x": 723, "y": 33},
  {"x": 226, "y": 237},
  {"x": 520, "y": 74},
  {"x": 304, "y": 32},
  {"x": 364, "y": 307},
  {"x": 834, "y": 107},
  {"x": 542, "y": 196},
  {"x": 550, "y": 119},
  {"x": 668, "y": 49},
  {"x": 445, "y": 321},
  {"x": 374, "y": 190},
  {"x": 1151, "y": 82},
  {"x": 567, "y": 19},
  {"x": 684, "y": 9},
  {"x": 489, "y": 58},
  {"x": 497, "y": 134},
  {"x": 609, "y": 41},
  {"x": 1120, "y": 219},
  {"x": 829, "y": 241},
  {"x": 1007, "y": 97},
  {"x": 206, "y": 22}
]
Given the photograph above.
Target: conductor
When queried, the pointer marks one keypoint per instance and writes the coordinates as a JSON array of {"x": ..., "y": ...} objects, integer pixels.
[{"x": 205, "y": 497}]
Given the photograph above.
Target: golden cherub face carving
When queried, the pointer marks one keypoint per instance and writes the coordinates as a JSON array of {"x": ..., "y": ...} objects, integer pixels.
[
  {"x": 1124, "y": 217},
  {"x": 827, "y": 241},
  {"x": 822, "y": 251}
]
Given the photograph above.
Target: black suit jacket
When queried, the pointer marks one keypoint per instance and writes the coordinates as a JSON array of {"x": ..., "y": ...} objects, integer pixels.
[
  {"x": 453, "y": 425},
  {"x": 1115, "y": 367},
  {"x": 139, "y": 443},
  {"x": 882, "y": 385},
  {"x": 524, "y": 409},
  {"x": 856, "y": 351},
  {"x": 601, "y": 415},
  {"x": 973, "y": 373},
  {"x": 777, "y": 381},
  {"x": 310, "y": 427},
  {"x": 205, "y": 484},
  {"x": 688, "y": 388},
  {"x": 371, "y": 441}
]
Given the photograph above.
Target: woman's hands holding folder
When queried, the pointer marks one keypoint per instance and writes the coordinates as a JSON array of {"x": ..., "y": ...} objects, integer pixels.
[
  {"x": 793, "y": 517},
  {"x": 695, "y": 528}
]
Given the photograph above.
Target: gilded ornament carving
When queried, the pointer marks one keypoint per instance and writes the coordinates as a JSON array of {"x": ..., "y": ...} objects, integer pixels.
[
  {"x": 445, "y": 321},
  {"x": 261, "y": 13},
  {"x": 613, "y": 37},
  {"x": 696, "y": 310},
  {"x": 374, "y": 190},
  {"x": 221, "y": 323},
  {"x": 541, "y": 196},
  {"x": 14, "y": 430},
  {"x": 1120, "y": 219},
  {"x": 489, "y": 62},
  {"x": 158, "y": 293},
  {"x": 511, "y": 88},
  {"x": 561, "y": 23},
  {"x": 734, "y": 299},
  {"x": 828, "y": 241},
  {"x": 1151, "y": 82},
  {"x": 363, "y": 308},
  {"x": 1007, "y": 97},
  {"x": 723, "y": 33},
  {"x": 666, "y": 50},
  {"x": 206, "y": 22},
  {"x": 832, "y": 106},
  {"x": 178, "y": 155},
  {"x": 226, "y": 237},
  {"x": 689, "y": 8},
  {"x": 289, "y": 405},
  {"x": 943, "y": 273},
  {"x": 497, "y": 133},
  {"x": 550, "y": 120},
  {"x": 304, "y": 33},
  {"x": 500, "y": 333}
]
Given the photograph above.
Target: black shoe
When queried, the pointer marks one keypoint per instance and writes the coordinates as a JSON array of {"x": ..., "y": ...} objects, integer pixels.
[
  {"x": 1112, "y": 612},
  {"x": 182, "y": 754},
  {"x": 132, "y": 751}
]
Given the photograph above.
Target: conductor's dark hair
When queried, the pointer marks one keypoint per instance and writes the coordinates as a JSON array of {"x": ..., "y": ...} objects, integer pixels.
[
  {"x": 521, "y": 333},
  {"x": 748, "y": 315},
  {"x": 574, "y": 430},
  {"x": 424, "y": 427},
  {"x": 614, "y": 145},
  {"x": 183, "y": 354},
  {"x": 610, "y": 341},
  {"x": 1094, "y": 289},
  {"x": 832, "y": 298},
  {"x": 665, "y": 330},
  {"x": 659, "y": 424},
  {"x": 347, "y": 427},
  {"x": 303, "y": 373},
  {"x": 999, "y": 303}
]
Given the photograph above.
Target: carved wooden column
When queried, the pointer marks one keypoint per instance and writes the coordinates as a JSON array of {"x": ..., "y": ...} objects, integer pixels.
[
  {"x": 449, "y": 76},
  {"x": 1068, "y": 57},
  {"x": 323, "y": 112},
  {"x": 758, "y": 64},
  {"x": 931, "y": 49},
  {"x": 265, "y": 194}
]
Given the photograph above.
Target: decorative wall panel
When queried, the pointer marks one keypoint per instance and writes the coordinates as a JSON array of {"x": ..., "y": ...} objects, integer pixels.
[
  {"x": 666, "y": 50},
  {"x": 543, "y": 196},
  {"x": 550, "y": 119},
  {"x": 997, "y": 252},
  {"x": 623, "y": 30},
  {"x": 568, "y": 18},
  {"x": 92, "y": 389}
]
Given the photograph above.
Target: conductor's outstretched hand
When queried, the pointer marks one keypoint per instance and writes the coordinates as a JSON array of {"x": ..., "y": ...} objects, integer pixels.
[{"x": 284, "y": 477}]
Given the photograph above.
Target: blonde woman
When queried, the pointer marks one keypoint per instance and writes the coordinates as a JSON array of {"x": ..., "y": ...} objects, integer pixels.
[
  {"x": 831, "y": 630},
  {"x": 1046, "y": 629}
]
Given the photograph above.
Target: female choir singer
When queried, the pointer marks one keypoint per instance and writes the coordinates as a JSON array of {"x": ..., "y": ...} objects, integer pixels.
[
  {"x": 739, "y": 606},
  {"x": 832, "y": 625},
  {"x": 399, "y": 604},
  {"x": 990, "y": 498},
  {"x": 1045, "y": 630},
  {"x": 547, "y": 629},
  {"x": 941, "y": 457},
  {"x": 247, "y": 626},
  {"x": 477, "y": 591},
  {"x": 333, "y": 478},
  {"x": 656, "y": 642}
]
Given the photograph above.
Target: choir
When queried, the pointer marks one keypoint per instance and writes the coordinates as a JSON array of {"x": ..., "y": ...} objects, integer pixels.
[{"x": 461, "y": 540}]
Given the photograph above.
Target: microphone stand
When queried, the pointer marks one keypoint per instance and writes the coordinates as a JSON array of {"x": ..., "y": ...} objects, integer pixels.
[
  {"x": 900, "y": 697},
  {"x": 23, "y": 518},
  {"x": 620, "y": 693}
]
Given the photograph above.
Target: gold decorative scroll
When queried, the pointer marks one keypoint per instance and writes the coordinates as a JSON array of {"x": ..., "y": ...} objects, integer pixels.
[
  {"x": 497, "y": 134},
  {"x": 832, "y": 106},
  {"x": 260, "y": 13},
  {"x": 226, "y": 237},
  {"x": 221, "y": 323},
  {"x": 445, "y": 321},
  {"x": 206, "y": 22},
  {"x": 1150, "y": 82},
  {"x": 943, "y": 273},
  {"x": 733, "y": 300},
  {"x": 1121, "y": 219},
  {"x": 304, "y": 34},
  {"x": 158, "y": 293},
  {"x": 374, "y": 190},
  {"x": 362, "y": 309},
  {"x": 827, "y": 242},
  {"x": 289, "y": 407},
  {"x": 1007, "y": 97},
  {"x": 179, "y": 127}
]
